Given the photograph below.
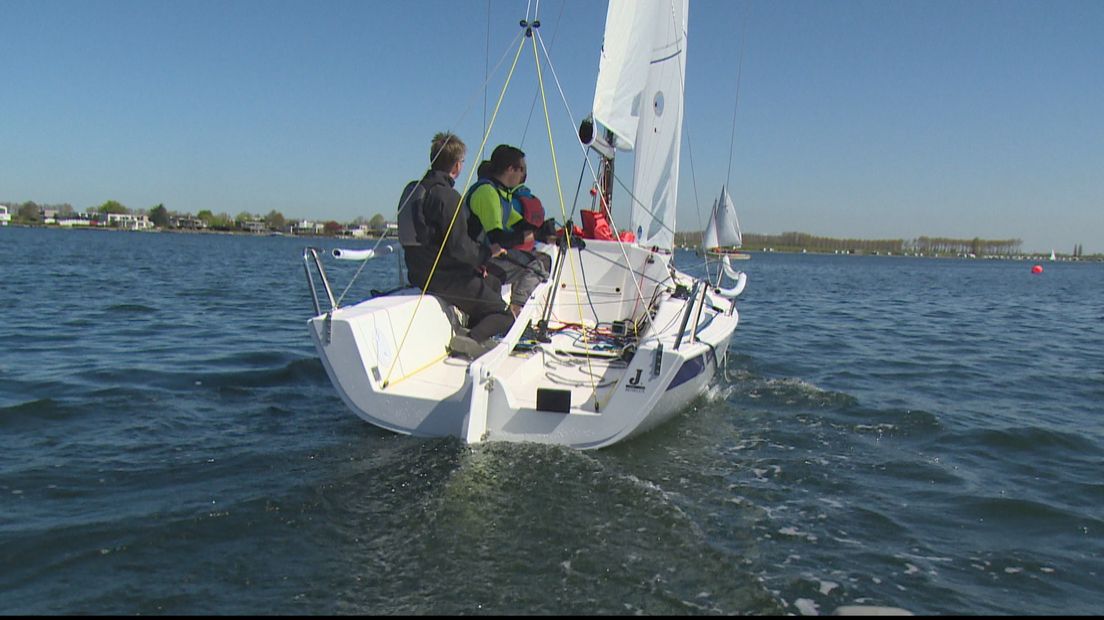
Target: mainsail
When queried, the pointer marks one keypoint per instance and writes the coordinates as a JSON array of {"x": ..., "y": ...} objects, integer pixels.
[
  {"x": 639, "y": 97},
  {"x": 623, "y": 67}
]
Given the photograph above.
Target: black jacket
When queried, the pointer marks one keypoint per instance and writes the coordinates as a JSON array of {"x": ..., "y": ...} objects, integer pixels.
[{"x": 462, "y": 256}]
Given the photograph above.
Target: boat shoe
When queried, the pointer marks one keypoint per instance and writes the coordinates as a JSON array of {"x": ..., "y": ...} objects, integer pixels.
[{"x": 468, "y": 346}]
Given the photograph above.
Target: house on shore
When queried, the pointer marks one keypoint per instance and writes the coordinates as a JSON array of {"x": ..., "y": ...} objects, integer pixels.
[
  {"x": 187, "y": 222},
  {"x": 307, "y": 227},
  {"x": 253, "y": 226},
  {"x": 128, "y": 221},
  {"x": 74, "y": 219},
  {"x": 355, "y": 232}
]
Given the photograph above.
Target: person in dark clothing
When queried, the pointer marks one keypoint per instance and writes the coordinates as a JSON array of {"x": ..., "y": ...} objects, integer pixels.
[{"x": 427, "y": 213}]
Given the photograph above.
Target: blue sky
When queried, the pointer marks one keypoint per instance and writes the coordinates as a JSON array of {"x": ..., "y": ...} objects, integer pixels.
[{"x": 873, "y": 119}]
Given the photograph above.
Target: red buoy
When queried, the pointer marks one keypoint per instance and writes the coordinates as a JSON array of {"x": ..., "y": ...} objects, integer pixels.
[{"x": 1037, "y": 269}]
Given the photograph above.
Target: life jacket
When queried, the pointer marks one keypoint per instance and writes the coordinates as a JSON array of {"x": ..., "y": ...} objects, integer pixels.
[
  {"x": 508, "y": 216},
  {"x": 528, "y": 206},
  {"x": 413, "y": 229}
]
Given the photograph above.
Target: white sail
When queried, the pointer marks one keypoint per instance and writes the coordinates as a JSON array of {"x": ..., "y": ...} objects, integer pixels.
[
  {"x": 623, "y": 67},
  {"x": 728, "y": 227},
  {"x": 659, "y": 134},
  {"x": 709, "y": 237}
]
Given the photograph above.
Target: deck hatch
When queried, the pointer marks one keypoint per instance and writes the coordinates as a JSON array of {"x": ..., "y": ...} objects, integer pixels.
[{"x": 558, "y": 401}]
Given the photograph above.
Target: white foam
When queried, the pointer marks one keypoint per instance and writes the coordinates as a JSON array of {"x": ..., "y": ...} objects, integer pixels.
[
  {"x": 870, "y": 610},
  {"x": 793, "y": 531},
  {"x": 807, "y": 607}
]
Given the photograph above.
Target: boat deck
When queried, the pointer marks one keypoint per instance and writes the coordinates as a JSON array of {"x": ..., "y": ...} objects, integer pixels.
[
  {"x": 561, "y": 364},
  {"x": 439, "y": 380}
]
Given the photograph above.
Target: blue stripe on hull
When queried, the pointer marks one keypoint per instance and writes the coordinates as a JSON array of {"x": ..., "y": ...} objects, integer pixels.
[{"x": 692, "y": 368}]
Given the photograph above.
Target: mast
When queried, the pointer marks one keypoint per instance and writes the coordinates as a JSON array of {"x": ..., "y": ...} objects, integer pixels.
[
  {"x": 604, "y": 146},
  {"x": 605, "y": 182}
]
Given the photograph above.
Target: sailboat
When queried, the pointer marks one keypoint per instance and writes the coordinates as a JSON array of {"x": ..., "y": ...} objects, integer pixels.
[
  {"x": 628, "y": 340},
  {"x": 722, "y": 236}
]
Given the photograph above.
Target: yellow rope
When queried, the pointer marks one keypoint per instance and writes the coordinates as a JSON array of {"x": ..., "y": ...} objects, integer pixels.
[
  {"x": 440, "y": 251},
  {"x": 418, "y": 370},
  {"x": 563, "y": 210}
]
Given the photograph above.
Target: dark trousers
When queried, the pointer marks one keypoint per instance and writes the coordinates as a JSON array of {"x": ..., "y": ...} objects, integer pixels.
[{"x": 478, "y": 297}]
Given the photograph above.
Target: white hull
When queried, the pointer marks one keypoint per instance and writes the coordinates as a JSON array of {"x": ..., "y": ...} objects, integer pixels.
[
  {"x": 395, "y": 373},
  {"x": 730, "y": 255}
]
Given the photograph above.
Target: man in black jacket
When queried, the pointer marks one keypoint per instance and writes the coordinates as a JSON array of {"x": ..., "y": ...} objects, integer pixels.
[{"x": 427, "y": 212}]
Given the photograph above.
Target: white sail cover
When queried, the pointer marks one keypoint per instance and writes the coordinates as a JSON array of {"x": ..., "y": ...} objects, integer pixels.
[
  {"x": 639, "y": 98},
  {"x": 728, "y": 227}
]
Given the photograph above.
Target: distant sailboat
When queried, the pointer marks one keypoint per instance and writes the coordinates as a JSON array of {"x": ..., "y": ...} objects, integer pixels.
[
  {"x": 722, "y": 234},
  {"x": 1052, "y": 256}
]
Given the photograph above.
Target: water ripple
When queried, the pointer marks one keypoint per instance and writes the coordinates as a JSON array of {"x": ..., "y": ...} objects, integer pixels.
[{"x": 888, "y": 431}]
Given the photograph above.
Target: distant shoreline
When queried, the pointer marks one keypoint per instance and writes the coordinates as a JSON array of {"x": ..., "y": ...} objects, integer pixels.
[
  {"x": 186, "y": 231},
  {"x": 1023, "y": 256}
]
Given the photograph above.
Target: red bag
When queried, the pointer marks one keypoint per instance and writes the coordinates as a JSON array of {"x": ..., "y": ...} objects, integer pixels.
[
  {"x": 575, "y": 232},
  {"x": 596, "y": 226}
]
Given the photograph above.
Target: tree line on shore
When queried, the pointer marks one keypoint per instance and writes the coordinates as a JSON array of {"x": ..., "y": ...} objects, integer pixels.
[
  {"x": 928, "y": 246},
  {"x": 32, "y": 213}
]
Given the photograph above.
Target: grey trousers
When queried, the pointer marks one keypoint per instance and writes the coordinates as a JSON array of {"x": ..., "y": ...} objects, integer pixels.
[{"x": 522, "y": 270}]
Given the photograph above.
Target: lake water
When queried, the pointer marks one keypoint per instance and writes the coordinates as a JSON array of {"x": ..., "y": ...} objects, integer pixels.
[{"x": 918, "y": 433}]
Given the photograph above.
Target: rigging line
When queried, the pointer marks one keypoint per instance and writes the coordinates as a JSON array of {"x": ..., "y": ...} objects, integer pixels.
[
  {"x": 689, "y": 146},
  {"x": 642, "y": 206},
  {"x": 578, "y": 188},
  {"x": 697, "y": 203},
  {"x": 636, "y": 200},
  {"x": 588, "y": 163},
  {"x": 559, "y": 187},
  {"x": 456, "y": 212},
  {"x": 487, "y": 64},
  {"x": 417, "y": 370},
  {"x": 587, "y": 289},
  {"x": 365, "y": 261},
  {"x": 736, "y": 105},
  {"x": 567, "y": 304},
  {"x": 486, "y": 81},
  {"x": 355, "y": 275},
  {"x": 582, "y": 148},
  {"x": 533, "y": 106},
  {"x": 463, "y": 115},
  {"x": 685, "y": 128},
  {"x": 471, "y": 104}
]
